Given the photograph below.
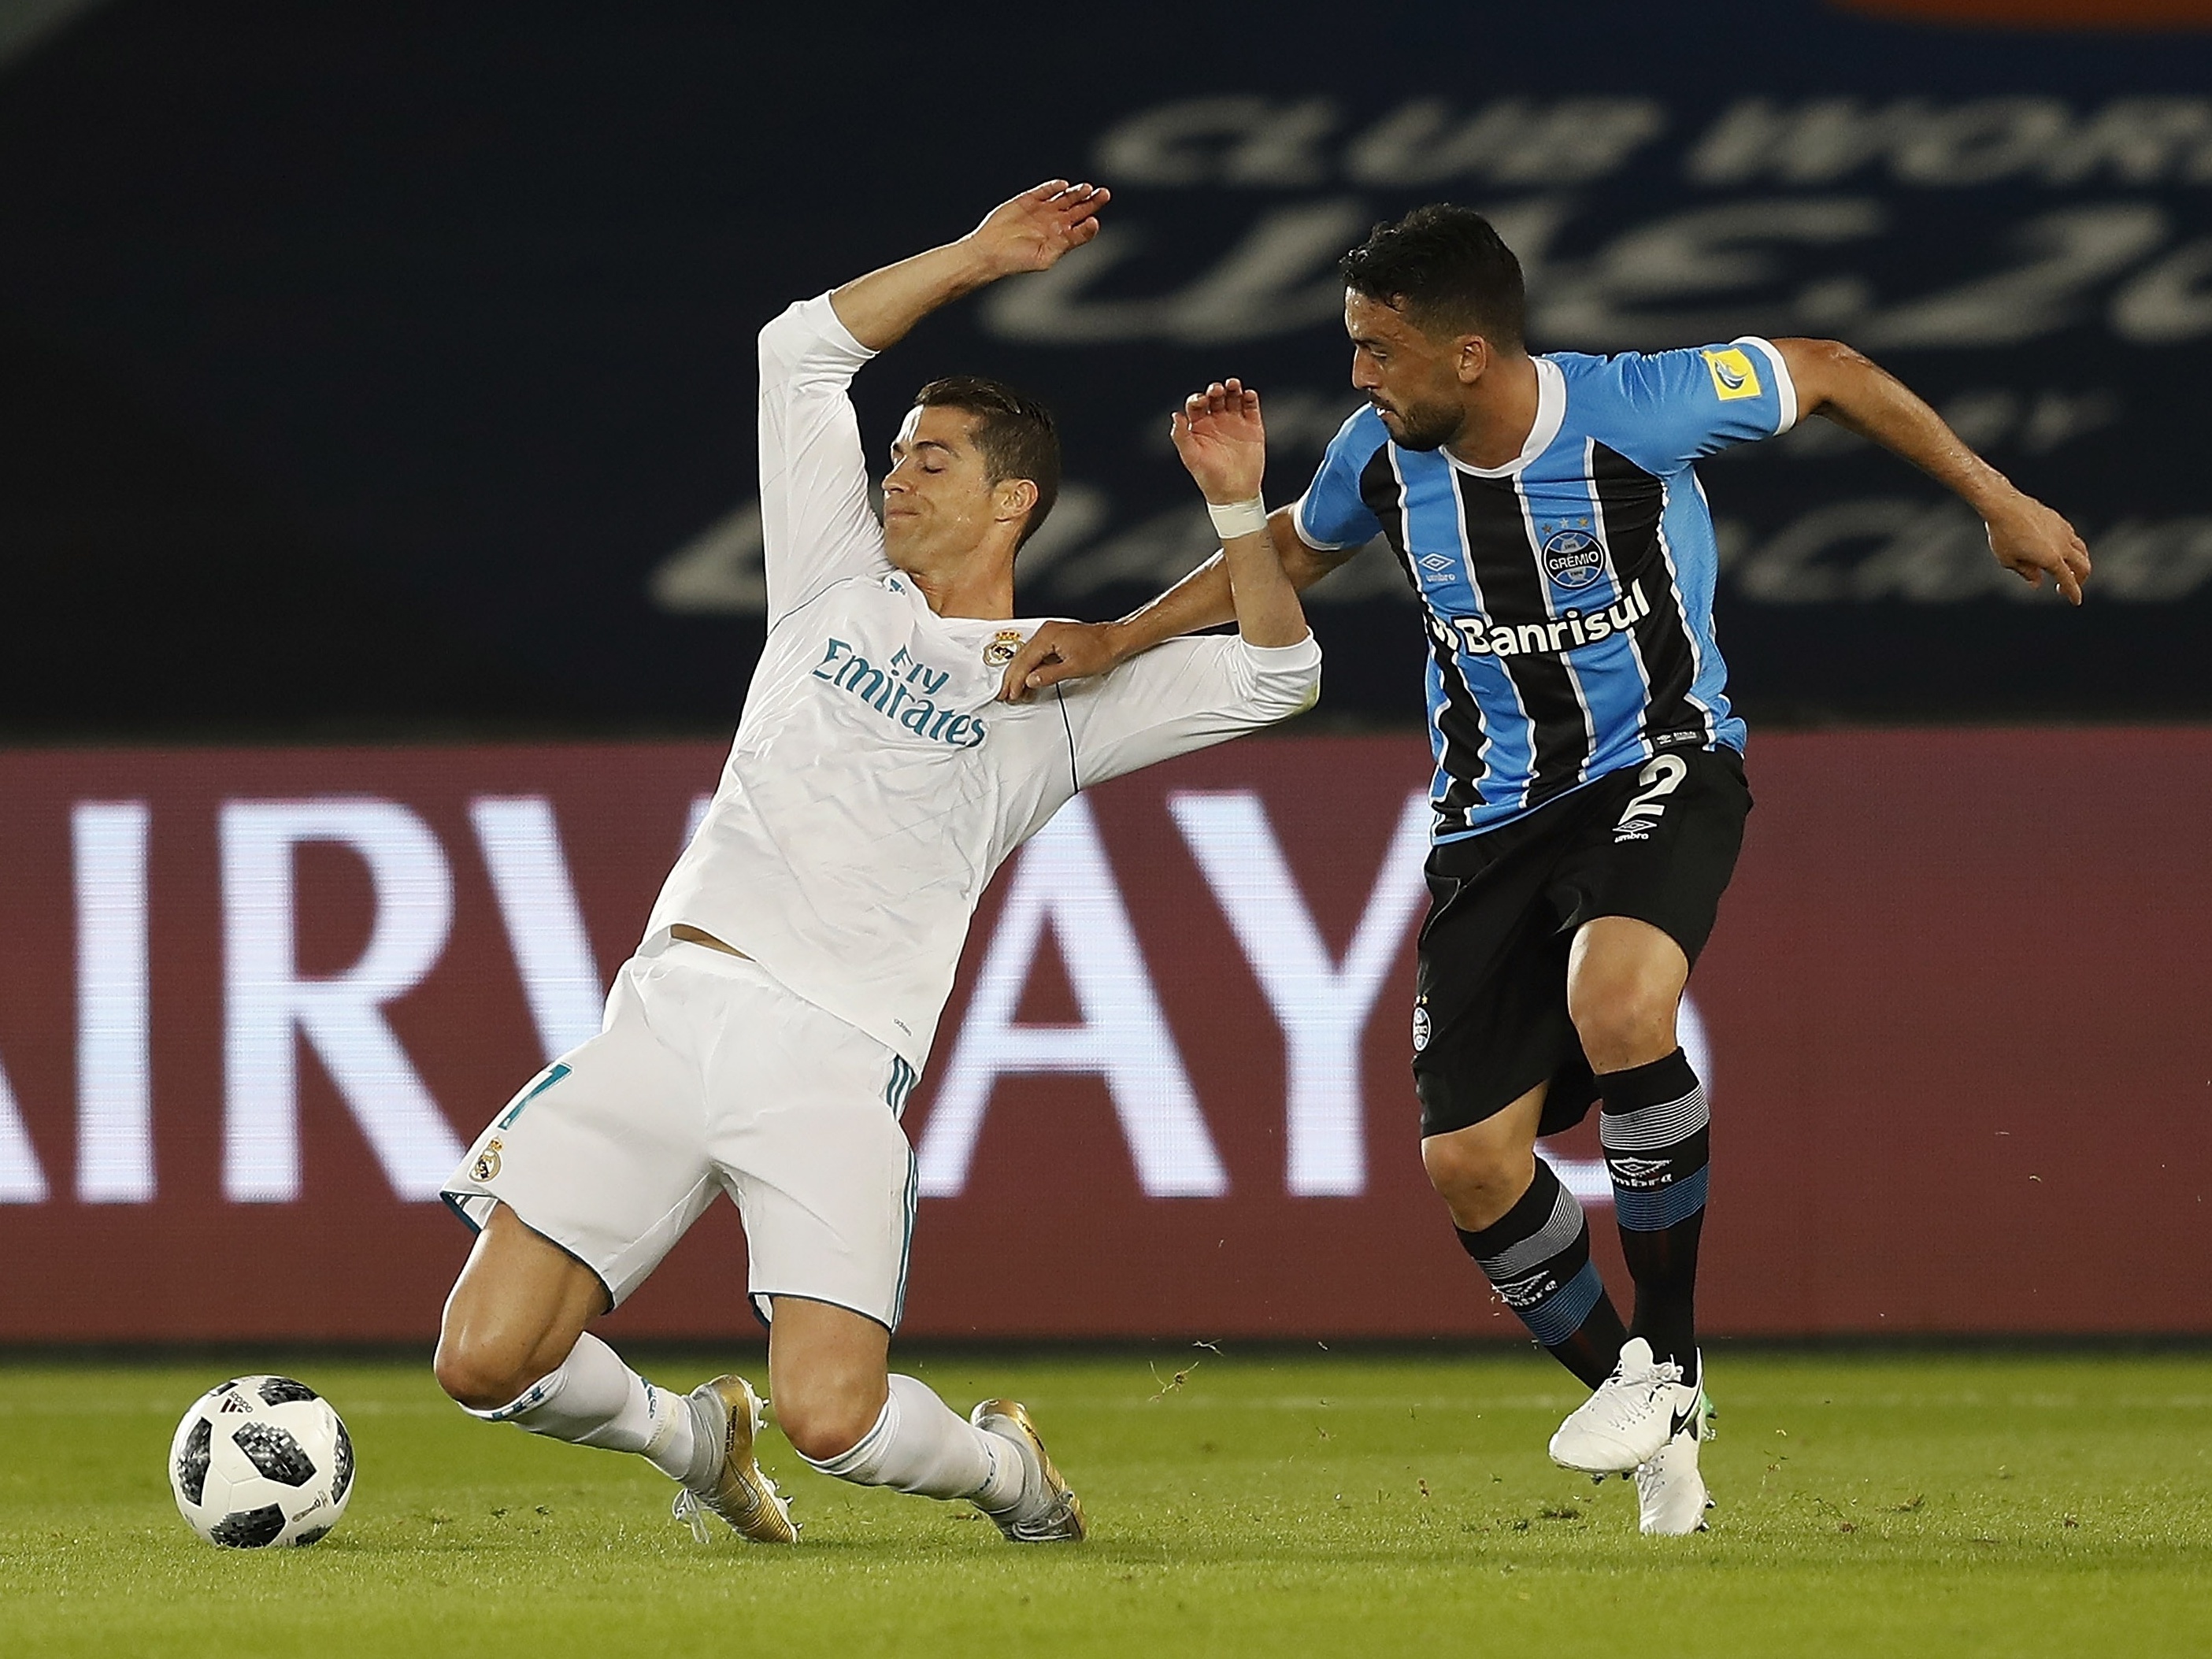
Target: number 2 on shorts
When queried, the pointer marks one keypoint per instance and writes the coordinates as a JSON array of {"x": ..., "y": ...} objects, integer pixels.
[{"x": 1660, "y": 777}]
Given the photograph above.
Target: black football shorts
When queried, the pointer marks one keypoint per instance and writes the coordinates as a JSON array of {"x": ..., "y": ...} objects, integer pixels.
[{"x": 1656, "y": 841}]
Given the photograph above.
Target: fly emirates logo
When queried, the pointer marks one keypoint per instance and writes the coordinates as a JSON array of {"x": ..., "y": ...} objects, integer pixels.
[
  {"x": 904, "y": 691},
  {"x": 1480, "y": 638}
]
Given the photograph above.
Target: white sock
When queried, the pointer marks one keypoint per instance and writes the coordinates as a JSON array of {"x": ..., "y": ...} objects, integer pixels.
[
  {"x": 920, "y": 1445},
  {"x": 595, "y": 1400}
]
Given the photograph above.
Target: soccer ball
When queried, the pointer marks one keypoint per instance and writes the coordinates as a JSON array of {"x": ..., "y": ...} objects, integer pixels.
[{"x": 260, "y": 1460}]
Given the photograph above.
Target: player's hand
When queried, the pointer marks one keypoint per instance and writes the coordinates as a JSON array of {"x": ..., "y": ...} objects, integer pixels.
[
  {"x": 2028, "y": 538},
  {"x": 1032, "y": 232},
  {"x": 1220, "y": 435},
  {"x": 1060, "y": 651}
]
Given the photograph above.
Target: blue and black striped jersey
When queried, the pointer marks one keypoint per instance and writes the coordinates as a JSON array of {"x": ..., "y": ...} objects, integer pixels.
[{"x": 1569, "y": 594}]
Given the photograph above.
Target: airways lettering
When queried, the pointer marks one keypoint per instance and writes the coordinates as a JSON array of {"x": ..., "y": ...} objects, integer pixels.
[{"x": 903, "y": 692}]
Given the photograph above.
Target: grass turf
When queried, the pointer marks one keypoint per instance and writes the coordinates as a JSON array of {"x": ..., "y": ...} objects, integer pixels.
[{"x": 1941, "y": 1505}]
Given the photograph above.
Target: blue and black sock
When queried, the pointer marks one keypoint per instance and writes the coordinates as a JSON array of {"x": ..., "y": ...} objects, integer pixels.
[
  {"x": 1537, "y": 1254},
  {"x": 1653, "y": 1127}
]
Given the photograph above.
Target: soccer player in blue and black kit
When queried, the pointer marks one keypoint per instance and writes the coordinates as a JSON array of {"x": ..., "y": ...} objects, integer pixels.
[{"x": 1589, "y": 789}]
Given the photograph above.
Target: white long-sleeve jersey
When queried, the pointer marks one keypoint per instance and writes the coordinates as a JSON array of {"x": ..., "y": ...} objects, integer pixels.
[{"x": 875, "y": 783}]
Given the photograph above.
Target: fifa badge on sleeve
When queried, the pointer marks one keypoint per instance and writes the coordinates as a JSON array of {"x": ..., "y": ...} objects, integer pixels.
[{"x": 1734, "y": 374}]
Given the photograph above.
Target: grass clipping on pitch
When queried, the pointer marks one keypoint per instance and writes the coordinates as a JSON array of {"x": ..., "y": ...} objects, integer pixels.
[{"x": 1949, "y": 1504}]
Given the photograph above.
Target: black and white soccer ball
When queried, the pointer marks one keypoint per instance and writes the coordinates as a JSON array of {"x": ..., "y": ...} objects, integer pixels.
[{"x": 260, "y": 1460}]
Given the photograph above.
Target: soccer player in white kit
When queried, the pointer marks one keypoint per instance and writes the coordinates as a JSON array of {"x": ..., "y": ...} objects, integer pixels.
[{"x": 764, "y": 1039}]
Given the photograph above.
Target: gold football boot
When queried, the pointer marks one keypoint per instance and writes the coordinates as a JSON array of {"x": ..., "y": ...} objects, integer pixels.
[
  {"x": 741, "y": 1494},
  {"x": 1047, "y": 1512}
]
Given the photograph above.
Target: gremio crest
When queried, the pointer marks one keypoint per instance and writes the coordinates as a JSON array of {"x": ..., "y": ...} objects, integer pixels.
[{"x": 1572, "y": 559}]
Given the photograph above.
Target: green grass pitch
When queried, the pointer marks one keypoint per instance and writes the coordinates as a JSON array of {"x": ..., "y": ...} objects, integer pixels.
[{"x": 1278, "y": 1502}]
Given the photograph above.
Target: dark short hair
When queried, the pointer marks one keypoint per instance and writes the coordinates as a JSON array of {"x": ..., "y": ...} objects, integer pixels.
[
  {"x": 1015, "y": 435},
  {"x": 1448, "y": 269}
]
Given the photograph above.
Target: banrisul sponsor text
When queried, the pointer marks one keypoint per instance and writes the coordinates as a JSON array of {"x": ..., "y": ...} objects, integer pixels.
[{"x": 1480, "y": 637}]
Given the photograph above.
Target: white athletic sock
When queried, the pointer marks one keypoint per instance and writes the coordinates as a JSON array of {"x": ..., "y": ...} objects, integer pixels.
[
  {"x": 595, "y": 1400},
  {"x": 920, "y": 1445}
]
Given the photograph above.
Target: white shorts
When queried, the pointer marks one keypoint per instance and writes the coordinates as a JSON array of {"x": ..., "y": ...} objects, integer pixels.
[{"x": 709, "y": 1077}]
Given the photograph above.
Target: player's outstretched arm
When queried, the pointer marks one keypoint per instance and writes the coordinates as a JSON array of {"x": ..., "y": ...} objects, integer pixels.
[
  {"x": 1191, "y": 693},
  {"x": 1070, "y": 651},
  {"x": 1029, "y": 233},
  {"x": 2026, "y": 536},
  {"x": 1223, "y": 442}
]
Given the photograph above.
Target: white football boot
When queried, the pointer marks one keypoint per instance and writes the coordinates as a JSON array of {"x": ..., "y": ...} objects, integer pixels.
[
  {"x": 1047, "y": 1512},
  {"x": 1671, "y": 1499},
  {"x": 726, "y": 1414},
  {"x": 1633, "y": 1413}
]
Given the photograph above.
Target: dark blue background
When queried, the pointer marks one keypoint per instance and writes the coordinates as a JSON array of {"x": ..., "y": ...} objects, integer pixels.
[{"x": 361, "y": 368}]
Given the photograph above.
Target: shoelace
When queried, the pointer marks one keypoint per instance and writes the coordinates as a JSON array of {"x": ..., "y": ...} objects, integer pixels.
[
  {"x": 690, "y": 1510},
  {"x": 1633, "y": 1396}
]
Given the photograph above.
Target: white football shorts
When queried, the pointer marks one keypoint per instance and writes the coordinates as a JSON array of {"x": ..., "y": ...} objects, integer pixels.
[{"x": 709, "y": 1077}]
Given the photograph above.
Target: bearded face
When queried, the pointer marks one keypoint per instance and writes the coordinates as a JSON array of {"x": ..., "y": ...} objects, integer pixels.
[{"x": 1411, "y": 380}]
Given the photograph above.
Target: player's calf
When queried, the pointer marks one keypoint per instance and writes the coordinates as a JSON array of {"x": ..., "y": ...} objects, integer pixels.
[
  {"x": 704, "y": 1440},
  {"x": 1528, "y": 1234},
  {"x": 1654, "y": 1127},
  {"x": 995, "y": 1460},
  {"x": 917, "y": 1444},
  {"x": 512, "y": 1348},
  {"x": 849, "y": 1418},
  {"x": 593, "y": 1399},
  {"x": 1624, "y": 982}
]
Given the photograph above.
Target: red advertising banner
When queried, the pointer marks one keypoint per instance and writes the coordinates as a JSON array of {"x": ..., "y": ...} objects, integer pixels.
[{"x": 254, "y": 1003}]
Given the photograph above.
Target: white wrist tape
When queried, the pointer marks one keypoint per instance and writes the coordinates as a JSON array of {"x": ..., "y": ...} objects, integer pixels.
[{"x": 1238, "y": 518}]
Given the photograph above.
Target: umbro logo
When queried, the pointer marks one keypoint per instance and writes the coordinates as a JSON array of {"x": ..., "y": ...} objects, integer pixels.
[
  {"x": 1637, "y": 1168},
  {"x": 1435, "y": 562},
  {"x": 1528, "y": 1292}
]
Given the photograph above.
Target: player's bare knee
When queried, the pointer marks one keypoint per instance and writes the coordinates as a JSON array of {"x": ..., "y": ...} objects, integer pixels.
[
  {"x": 1617, "y": 1038},
  {"x": 1477, "y": 1180},
  {"x": 483, "y": 1376},
  {"x": 468, "y": 1381},
  {"x": 1623, "y": 1020},
  {"x": 824, "y": 1423}
]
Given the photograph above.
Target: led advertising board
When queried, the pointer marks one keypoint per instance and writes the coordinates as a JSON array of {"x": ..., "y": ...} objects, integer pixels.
[{"x": 254, "y": 1004}]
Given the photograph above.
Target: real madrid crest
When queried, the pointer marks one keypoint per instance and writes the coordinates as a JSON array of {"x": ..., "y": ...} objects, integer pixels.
[
  {"x": 487, "y": 1164},
  {"x": 1001, "y": 649}
]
